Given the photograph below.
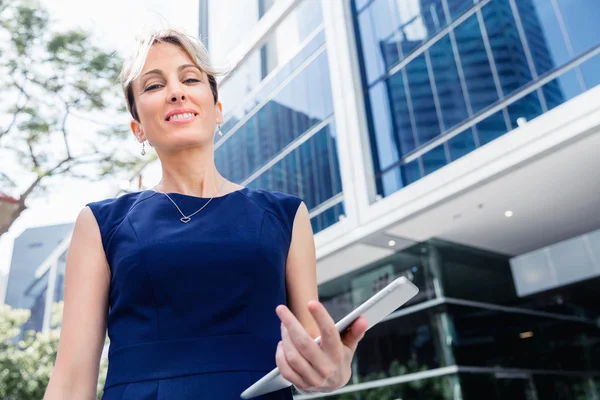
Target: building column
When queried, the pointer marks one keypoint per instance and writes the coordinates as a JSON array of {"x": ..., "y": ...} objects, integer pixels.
[{"x": 352, "y": 139}]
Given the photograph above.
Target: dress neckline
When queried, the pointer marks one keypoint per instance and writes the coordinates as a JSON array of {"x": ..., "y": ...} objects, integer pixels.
[{"x": 197, "y": 197}]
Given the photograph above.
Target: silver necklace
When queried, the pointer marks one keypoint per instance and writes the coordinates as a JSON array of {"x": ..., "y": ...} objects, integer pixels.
[{"x": 187, "y": 218}]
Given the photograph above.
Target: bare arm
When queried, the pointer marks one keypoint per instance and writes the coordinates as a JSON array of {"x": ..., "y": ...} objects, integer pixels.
[
  {"x": 87, "y": 281},
  {"x": 301, "y": 271}
]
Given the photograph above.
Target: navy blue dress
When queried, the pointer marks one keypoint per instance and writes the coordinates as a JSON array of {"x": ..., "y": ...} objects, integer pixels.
[{"x": 192, "y": 305}]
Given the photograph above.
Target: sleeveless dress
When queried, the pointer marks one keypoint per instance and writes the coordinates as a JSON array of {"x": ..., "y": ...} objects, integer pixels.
[{"x": 192, "y": 305}]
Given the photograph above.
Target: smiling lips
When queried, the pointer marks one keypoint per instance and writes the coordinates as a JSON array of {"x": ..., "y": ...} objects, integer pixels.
[{"x": 181, "y": 116}]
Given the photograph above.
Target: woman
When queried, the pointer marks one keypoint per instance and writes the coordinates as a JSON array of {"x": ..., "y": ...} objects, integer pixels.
[{"x": 192, "y": 277}]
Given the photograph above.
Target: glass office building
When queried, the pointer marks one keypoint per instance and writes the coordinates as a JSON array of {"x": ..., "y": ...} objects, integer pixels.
[
  {"x": 350, "y": 105},
  {"x": 444, "y": 77}
]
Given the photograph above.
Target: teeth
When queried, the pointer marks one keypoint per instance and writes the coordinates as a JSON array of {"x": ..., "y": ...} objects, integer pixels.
[{"x": 181, "y": 116}]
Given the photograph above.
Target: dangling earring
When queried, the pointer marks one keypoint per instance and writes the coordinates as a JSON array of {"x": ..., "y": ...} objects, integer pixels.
[
  {"x": 143, "y": 152},
  {"x": 219, "y": 132}
]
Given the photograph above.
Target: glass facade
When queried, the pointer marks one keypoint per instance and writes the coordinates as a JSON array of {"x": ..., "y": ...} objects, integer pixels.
[
  {"x": 467, "y": 335},
  {"x": 279, "y": 129},
  {"x": 431, "y": 67}
]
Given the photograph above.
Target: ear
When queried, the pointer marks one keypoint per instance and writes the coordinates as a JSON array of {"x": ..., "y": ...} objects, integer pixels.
[
  {"x": 138, "y": 131},
  {"x": 219, "y": 112}
]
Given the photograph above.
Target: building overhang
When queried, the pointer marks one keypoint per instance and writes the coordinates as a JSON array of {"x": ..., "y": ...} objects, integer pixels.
[{"x": 537, "y": 185}]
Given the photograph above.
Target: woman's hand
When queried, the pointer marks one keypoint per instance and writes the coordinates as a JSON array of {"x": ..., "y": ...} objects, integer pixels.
[{"x": 312, "y": 367}]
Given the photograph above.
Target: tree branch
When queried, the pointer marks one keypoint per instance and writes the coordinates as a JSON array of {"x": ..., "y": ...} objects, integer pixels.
[
  {"x": 32, "y": 155},
  {"x": 5, "y": 177},
  {"x": 18, "y": 110}
]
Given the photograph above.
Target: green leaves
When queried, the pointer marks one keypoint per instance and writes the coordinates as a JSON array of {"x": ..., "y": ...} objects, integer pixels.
[
  {"x": 60, "y": 102},
  {"x": 26, "y": 364}
]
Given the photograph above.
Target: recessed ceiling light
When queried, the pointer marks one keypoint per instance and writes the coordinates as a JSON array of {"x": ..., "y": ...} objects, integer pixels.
[
  {"x": 526, "y": 335},
  {"x": 392, "y": 243},
  {"x": 508, "y": 214}
]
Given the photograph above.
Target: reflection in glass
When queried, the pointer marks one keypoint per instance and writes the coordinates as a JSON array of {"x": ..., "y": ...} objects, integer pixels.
[
  {"x": 461, "y": 144},
  {"x": 437, "y": 388},
  {"x": 310, "y": 172},
  {"x": 488, "y": 58},
  {"x": 512, "y": 340},
  {"x": 278, "y": 123},
  {"x": 475, "y": 64},
  {"x": 292, "y": 31},
  {"x": 434, "y": 159}
]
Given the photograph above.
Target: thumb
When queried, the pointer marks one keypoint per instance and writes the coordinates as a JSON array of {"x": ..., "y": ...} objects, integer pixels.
[{"x": 355, "y": 333}]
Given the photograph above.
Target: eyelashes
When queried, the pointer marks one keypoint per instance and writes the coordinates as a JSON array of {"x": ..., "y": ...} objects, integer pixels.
[{"x": 158, "y": 85}]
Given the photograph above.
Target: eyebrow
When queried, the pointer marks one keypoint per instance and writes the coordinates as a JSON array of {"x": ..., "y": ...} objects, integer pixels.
[{"x": 179, "y": 69}]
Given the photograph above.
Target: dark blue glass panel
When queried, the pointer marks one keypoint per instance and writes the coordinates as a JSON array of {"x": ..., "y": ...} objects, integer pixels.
[
  {"x": 379, "y": 50},
  {"x": 544, "y": 36},
  {"x": 459, "y": 7},
  {"x": 476, "y": 67},
  {"x": 310, "y": 172},
  {"x": 423, "y": 103},
  {"x": 491, "y": 128},
  {"x": 417, "y": 23},
  {"x": 536, "y": 29},
  {"x": 581, "y": 18},
  {"x": 234, "y": 116},
  {"x": 386, "y": 143},
  {"x": 401, "y": 113},
  {"x": 327, "y": 218},
  {"x": 434, "y": 159},
  {"x": 447, "y": 81},
  {"x": 297, "y": 107},
  {"x": 411, "y": 172},
  {"x": 509, "y": 55},
  {"x": 461, "y": 144},
  {"x": 528, "y": 107}
]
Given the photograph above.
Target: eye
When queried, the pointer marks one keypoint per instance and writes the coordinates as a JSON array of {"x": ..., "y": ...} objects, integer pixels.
[
  {"x": 192, "y": 80},
  {"x": 152, "y": 87}
]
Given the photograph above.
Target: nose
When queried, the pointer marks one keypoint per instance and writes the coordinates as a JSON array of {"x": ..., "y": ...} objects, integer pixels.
[{"x": 177, "y": 97}]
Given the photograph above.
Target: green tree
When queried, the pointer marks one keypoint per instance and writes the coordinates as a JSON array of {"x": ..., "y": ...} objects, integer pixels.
[
  {"x": 48, "y": 79},
  {"x": 27, "y": 359}
]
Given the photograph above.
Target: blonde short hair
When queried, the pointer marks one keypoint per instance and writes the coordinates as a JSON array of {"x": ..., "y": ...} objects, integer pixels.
[{"x": 132, "y": 68}]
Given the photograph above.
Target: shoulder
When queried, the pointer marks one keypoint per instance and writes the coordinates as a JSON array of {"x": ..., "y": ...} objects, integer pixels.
[
  {"x": 282, "y": 205},
  {"x": 118, "y": 207},
  {"x": 109, "y": 213}
]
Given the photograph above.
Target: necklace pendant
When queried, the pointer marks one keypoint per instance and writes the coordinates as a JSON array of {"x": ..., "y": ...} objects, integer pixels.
[{"x": 185, "y": 220}]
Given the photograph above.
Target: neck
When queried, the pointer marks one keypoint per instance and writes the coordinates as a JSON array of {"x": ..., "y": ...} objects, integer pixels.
[{"x": 192, "y": 172}]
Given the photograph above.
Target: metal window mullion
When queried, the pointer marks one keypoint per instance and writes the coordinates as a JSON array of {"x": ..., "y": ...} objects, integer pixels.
[
  {"x": 268, "y": 98},
  {"x": 413, "y": 122},
  {"x": 527, "y": 50},
  {"x": 435, "y": 38},
  {"x": 569, "y": 43},
  {"x": 260, "y": 86},
  {"x": 326, "y": 205},
  {"x": 492, "y": 61},
  {"x": 491, "y": 110},
  {"x": 331, "y": 150},
  {"x": 436, "y": 103},
  {"x": 288, "y": 149}
]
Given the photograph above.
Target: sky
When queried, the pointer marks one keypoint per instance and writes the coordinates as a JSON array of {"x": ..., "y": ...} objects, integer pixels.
[{"x": 115, "y": 24}]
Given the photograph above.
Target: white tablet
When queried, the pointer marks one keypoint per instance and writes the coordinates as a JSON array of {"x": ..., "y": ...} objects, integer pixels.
[{"x": 374, "y": 310}]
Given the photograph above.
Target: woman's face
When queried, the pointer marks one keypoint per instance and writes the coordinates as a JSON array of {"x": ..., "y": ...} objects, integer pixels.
[{"x": 174, "y": 101}]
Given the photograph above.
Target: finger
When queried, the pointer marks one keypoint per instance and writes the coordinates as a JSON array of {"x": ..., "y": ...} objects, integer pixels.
[
  {"x": 299, "y": 364},
  {"x": 330, "y": 338},
  {"x": 355, "y": 333},
  {"x": 301, "y": 339},
  {"x": 287, "y": 371}
]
